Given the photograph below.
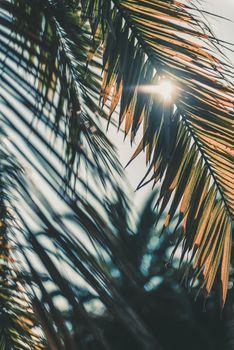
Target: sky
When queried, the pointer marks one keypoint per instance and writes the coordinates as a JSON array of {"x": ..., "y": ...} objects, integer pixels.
[{"x": 223, "y": 29}]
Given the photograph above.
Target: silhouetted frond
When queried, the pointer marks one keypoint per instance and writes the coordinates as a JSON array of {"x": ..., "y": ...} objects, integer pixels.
[{"x": 44, "y": 77}]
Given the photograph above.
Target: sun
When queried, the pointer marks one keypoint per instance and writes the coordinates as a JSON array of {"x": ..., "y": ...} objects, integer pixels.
[{"x": 164, "y": 88}]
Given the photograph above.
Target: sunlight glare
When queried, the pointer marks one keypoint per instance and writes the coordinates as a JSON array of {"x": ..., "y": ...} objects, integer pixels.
[{"x": 164, "y": 88}]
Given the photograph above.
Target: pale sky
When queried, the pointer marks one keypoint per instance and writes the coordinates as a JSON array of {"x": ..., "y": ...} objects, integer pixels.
[{"x": 223, "y": 29}]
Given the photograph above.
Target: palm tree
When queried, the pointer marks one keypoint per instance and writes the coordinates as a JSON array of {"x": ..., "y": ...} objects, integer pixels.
[
  {"x": 65, "y": 167},
  {"x": 155, "y": 296}
]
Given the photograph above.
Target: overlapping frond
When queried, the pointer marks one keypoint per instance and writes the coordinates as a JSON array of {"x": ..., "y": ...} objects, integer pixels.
[
  {"x": 189, "y": 138},
  {"x": 76, "y": 262},
  {"x": 64, "y": 247},
  {"x": 44, "y": 77},
  {"x": 49, "y": 103}
]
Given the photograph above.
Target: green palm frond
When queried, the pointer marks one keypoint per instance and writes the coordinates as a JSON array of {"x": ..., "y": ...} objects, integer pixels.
[{"x": 189, "y": 139}]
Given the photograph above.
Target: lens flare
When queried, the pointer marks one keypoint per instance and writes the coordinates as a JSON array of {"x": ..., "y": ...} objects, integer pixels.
[{"x": 163, "y": 88}]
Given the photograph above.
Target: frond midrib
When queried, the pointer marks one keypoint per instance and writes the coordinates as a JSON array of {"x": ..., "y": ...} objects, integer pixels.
[{"x": 208, "y": 165}]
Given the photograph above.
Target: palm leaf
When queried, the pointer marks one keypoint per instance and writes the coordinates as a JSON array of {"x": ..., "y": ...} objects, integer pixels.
[
  {"x": 188, "y": 140},
  {"x": 48, "y": 109},
  {"x": 44, "y": 50},
  {"x": 55, "y": 251}
]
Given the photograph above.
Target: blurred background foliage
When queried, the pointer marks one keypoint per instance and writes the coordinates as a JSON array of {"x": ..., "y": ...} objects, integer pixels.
[{"x": 176, "y": 318}]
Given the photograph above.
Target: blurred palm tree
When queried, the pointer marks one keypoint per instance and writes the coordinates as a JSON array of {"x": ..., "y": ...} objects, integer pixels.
[
  {"x": 156, "y": 296},
  {"x": 63, "y": 191}
]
